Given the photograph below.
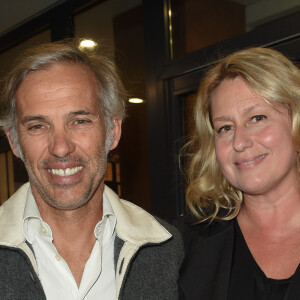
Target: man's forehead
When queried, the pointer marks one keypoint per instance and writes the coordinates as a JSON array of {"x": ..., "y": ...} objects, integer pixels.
[
  {"x": 59, "y": 75},
  {"x": 70, "y": 68},
  {"x": 62, "y": 85}
]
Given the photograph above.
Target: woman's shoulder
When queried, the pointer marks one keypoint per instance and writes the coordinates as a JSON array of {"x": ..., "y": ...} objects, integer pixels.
[
  {"x": 188, "y": 223},
  {"x": 193, "y": 229}
]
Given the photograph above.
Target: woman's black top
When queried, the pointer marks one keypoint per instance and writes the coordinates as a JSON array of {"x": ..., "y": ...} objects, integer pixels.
[
  {"x": 247, "y": 280},
  {"x": 219, "y": 266}
]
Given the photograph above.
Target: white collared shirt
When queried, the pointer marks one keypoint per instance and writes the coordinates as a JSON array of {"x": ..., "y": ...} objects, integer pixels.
[{"x": 98, "y": 279}]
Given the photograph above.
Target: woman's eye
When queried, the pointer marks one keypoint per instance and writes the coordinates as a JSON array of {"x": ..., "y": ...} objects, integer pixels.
[
  {"x": 224, "y": 128},
  {"x": 258, "y": 118}
]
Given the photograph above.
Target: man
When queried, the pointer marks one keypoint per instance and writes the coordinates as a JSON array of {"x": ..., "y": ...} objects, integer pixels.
[{"x": 65, "y": 235}]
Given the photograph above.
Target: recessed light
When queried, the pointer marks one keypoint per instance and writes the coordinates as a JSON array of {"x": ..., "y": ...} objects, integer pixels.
[
  {"x": 136, "y": 100},
  {"x": 87, "y": 44}
]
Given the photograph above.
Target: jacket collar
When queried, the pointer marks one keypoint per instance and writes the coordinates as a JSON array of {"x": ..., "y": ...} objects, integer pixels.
[
  {"x": 134, "y": 224},
  {"x": 11, "y": 218}
]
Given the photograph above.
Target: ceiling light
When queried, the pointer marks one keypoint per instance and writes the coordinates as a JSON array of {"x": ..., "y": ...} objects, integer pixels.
[
  {"x": 87, "y": 44},
  {"x": 136, "y": 100}
]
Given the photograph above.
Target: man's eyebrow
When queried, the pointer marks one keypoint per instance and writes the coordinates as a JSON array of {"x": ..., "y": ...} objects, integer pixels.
[
  {"x": 33, "y": 118},
  {"x": 42, "y": 118},
  {"x": 79, "y": 112}
]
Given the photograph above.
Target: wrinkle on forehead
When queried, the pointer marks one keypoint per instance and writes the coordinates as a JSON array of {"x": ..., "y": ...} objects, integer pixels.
[
  {"x": 63, "y": 89},
  {"x": 59, "y": 84},
  {"x": 68, "y": 74}
]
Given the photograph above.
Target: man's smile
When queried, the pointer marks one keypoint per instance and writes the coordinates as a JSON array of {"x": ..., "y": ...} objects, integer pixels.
[{"x": 65, "y": 172}]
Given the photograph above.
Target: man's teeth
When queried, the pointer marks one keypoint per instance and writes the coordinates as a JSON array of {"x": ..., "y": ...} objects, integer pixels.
[
  {"x": 251, "y": 161},
  {"x": 65, "y": 172}
]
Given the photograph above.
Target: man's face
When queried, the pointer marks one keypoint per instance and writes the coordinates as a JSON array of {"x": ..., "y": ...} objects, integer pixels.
[{"x": 62, "y": 135}]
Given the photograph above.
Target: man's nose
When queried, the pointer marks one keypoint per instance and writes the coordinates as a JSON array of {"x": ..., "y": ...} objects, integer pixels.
[
  {"x": 61, "y": 144},
  {"x": 242, "y": 139}
]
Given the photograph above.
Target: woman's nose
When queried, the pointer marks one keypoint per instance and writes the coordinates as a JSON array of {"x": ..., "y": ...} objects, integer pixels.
[{"x": 242, "y": 139}]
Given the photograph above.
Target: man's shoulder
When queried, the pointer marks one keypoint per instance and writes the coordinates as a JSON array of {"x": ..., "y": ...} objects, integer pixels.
[
  {"x": 11, "y": 210},
  {"x": 135, "y": 225},
  {"x": 19, "y": 196},
  {"x": 175, "y": 245},
  {"x": 154, "y": 271},
  {"x": 169, "y": 252},
  {"x": 170, "y": 228}
]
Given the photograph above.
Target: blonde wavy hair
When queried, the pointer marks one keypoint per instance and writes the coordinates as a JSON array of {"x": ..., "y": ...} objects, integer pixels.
[{"x": 270, "y": 75}]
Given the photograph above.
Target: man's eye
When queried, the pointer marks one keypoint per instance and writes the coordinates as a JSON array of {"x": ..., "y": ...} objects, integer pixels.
[
  {"x": 36, "y": 127},
  {"x": 224, "y": 128},
  {"x": 82, "y": 122},
  {"x": 258, "y": 118}
]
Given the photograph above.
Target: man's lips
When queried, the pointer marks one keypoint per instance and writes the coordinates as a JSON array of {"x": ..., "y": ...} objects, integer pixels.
[
  {"x": 65, "y": 172},
  {"x": 250, "y": 161}
]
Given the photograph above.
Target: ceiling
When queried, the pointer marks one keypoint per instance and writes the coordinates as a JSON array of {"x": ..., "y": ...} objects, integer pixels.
[{"x": 14, "y": 12}]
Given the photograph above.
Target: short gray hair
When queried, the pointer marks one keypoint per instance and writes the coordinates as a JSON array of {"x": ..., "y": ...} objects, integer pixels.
[{"x": 111, "y": 92}]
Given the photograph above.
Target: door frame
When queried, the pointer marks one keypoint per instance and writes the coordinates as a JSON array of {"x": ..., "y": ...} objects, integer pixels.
[{"x": 167, "y": 80}]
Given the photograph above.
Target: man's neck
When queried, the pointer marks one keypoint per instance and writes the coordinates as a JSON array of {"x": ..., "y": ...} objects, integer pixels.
[{"x": 73, "y": 231}]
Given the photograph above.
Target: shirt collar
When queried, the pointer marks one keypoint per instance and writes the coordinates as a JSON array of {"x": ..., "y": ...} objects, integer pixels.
[
  {"x": 31, "y": 213},
  {"x": 108, "y": 221},
  {"x": 31, "y": 208}
]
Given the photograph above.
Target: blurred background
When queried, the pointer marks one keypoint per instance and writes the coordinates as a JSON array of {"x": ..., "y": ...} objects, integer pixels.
[{"x": 162, "y": 48}]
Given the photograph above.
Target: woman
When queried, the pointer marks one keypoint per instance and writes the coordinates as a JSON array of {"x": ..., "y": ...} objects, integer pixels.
[{"x": 243, "y": 239}]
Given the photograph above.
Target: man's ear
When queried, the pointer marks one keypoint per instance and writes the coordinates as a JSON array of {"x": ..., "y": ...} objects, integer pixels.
[
  {"x": 12, "y": 139},
  {"x": 116, "y": 132}
]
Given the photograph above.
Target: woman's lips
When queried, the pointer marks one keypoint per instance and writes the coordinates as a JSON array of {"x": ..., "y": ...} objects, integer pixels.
[{"x": 250, "y": 161}]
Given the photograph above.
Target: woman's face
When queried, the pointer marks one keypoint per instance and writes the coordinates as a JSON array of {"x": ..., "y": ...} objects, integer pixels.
[{"x": 253, "y": 140}]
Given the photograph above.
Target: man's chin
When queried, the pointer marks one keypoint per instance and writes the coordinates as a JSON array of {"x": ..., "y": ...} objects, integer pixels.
[{"x": 66, "y": 206}]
